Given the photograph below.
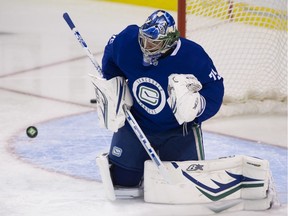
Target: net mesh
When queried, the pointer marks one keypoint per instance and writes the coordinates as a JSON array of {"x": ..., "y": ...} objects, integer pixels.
[{"x": 247, "y": 40}]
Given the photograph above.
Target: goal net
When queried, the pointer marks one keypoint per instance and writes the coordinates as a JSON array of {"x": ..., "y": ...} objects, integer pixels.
[{"x": 247, "y": 41}]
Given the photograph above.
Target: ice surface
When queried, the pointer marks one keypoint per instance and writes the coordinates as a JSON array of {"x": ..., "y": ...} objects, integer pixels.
[{"x": 43, "y": 81}]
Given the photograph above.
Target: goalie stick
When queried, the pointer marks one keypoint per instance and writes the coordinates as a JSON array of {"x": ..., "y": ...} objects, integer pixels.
[{"x": 129, "y": 117}]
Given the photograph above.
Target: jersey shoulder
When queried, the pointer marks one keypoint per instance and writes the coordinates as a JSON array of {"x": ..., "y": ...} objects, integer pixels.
[
  {"x": 193, "y": 58},
  {"x": 126, "y": 35},
  {"x": 189, "y": 48}
]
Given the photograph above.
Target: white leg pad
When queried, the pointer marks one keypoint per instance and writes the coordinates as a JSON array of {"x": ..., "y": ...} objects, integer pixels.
[
  {"x": 104, "y": 168},
  {"x": 243, "y": 180},
  {"x": 113, "y": 192}
]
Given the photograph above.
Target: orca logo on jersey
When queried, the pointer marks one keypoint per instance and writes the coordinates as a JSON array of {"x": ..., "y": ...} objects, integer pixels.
[
  {"x": 149, "y": 94},
  {"x": 116, "y": 151}
]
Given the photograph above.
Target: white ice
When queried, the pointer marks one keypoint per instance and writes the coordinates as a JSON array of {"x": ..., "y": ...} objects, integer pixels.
[{"x": 43, "y": 76}]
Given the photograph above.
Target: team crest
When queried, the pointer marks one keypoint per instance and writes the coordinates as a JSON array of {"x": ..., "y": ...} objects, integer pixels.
[
  {"x": 116, "y": 151},
  {"x": 149, "y": 94}
]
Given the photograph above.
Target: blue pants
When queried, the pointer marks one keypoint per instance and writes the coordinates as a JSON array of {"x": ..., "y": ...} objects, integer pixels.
[{"x": 127, "y": 155}]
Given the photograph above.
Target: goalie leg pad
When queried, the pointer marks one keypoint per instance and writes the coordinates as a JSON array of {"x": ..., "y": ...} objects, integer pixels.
[
  {"x": 212, "y": 181},
  {"x": 104, "y": 168},
  {"x": 112, "y": 192}
]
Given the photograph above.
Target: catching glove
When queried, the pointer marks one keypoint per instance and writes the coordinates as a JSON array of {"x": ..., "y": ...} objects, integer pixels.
[{"x": 184, "y": 98}]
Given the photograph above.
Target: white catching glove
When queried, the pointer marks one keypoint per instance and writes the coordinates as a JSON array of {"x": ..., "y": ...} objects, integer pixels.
[
  {"x": 184, "y": 98},
  {"x": 111, "y": 96}
]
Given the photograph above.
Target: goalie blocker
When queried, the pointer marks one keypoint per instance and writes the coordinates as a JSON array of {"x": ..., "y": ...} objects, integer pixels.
[
  {"x": 227, "y": 184},
  {"x": 111, "y": 96}
]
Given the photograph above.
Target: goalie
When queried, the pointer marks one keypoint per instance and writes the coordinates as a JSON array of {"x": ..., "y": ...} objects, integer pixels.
[{"x": 173, "y": 86}]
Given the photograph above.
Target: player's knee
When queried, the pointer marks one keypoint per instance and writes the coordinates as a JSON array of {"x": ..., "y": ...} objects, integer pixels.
[{"x": 124, "y": 177}]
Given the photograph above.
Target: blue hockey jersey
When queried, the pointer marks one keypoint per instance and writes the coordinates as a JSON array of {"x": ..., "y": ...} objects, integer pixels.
[{"x": 148, "y": 84}]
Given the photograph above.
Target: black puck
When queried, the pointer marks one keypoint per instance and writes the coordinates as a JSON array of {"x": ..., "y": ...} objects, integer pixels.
[
  {"x": 93, "y": 101},
  {"x": 31, "y": 131}
]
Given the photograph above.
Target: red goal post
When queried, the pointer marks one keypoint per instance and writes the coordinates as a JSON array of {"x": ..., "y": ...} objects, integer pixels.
[
  {"x": 247, "y": 40},
  {"x": 181, "y": 16}
]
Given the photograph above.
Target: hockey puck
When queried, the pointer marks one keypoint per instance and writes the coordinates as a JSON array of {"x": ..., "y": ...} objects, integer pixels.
[
  {"x": 93, "y": 101},
  {"x": 31, "y": 131}
]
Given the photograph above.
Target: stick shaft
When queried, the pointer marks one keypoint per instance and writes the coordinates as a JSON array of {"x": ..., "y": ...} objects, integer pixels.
[{"x": 82, "y": 43}]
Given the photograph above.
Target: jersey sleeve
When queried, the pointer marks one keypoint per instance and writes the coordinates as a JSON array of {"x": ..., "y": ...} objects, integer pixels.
[
  {"x": 109, "y": 67},
  {"x": 199, "y": 63},
  {"x": 212, "y": 90},
  {"x": 115, "y": 53}
]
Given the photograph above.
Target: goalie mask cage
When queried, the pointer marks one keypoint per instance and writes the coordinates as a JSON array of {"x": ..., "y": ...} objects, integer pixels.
[{"x": 247, "y": 41}]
